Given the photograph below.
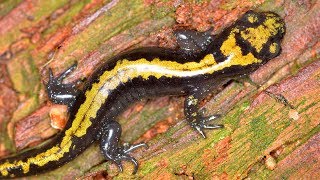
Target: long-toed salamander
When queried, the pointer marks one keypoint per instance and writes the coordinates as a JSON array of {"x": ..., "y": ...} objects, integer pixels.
[{"x": 203, "y": 62}]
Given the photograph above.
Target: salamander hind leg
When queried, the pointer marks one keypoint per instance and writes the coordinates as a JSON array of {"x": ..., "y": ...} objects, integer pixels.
[
  {"x": 62, "y": 93},
  {"x": 109, "y": 145},
  {"x": 194, "y": 116}
]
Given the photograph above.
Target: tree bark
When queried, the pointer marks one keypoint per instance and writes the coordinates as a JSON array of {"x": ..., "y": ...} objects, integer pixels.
[{"x": 263, "y": 138}]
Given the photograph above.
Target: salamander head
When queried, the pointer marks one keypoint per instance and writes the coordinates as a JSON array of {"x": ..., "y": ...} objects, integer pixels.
[
  {"x": 254, "y": 38},
  {"x": 263, "y": 32}
]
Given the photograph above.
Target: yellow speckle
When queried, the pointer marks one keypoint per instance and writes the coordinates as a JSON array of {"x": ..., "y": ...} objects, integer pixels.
[
  {"x": 273, "y": 47},
  {"x": 192, "y": 100},
  {"x": 252, "y": 18},
  {"x": 4, "y": 171}
]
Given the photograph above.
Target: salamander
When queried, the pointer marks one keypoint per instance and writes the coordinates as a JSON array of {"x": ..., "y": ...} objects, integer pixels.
[{"x": 202, "y": 62}]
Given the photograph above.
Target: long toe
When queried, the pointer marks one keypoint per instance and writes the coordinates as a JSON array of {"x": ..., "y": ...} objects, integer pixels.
[
  {"x": 136, "y": 165},
  {"x": 211, "y": 118},
  {"x": 199, "y": 129},
  {"x": 212, "y": 126},
  {"x": 134, "y": 147},
  {"x": 51, "y": 77},
  {"x": 118, "y": 163},
  {"x": 127, "y": 157}
]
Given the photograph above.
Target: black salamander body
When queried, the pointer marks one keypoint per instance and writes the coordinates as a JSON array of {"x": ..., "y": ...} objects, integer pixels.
[{"x": 204, "y": 62}]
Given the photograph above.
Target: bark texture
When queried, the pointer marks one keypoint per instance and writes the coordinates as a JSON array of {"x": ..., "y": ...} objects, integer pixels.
[{"x": 262, "y": 138}]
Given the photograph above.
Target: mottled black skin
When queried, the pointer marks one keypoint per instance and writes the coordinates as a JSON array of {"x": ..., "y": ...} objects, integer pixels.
[{"x": 105, "y": 128}]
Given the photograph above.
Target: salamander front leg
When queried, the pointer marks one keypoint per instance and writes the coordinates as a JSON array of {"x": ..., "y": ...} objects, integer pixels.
[
  {"x": 62, "y": 93},
  {"x": 109, "y": 145},
  {"x": 195, "y": 117}
]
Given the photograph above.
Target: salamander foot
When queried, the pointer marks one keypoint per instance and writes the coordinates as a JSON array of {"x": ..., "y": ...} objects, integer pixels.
[
  {"x": 201, "y": 124},
  {"x": 59, "y": 92},
  {"x": 112, "y": 151}
]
